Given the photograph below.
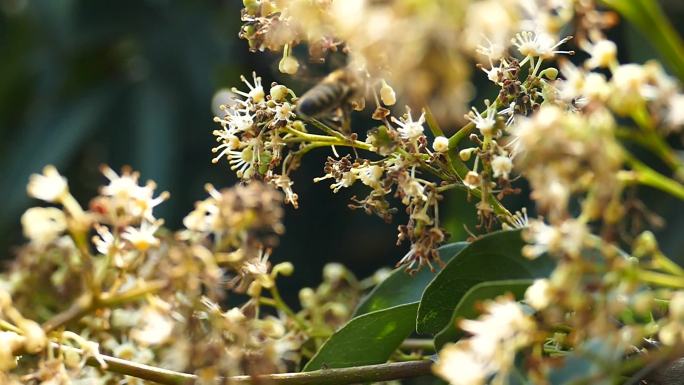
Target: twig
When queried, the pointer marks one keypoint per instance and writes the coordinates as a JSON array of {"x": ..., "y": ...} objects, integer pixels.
[
  {"x": 342, "y": 376},
  {"x": 87, "y": 304}
]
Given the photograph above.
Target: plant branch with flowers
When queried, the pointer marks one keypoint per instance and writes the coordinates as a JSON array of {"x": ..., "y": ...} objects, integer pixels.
[{"x": 567, "y": 292}]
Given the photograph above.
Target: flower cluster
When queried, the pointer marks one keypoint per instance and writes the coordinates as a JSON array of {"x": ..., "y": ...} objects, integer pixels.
[{"x": 141, "y": 293}]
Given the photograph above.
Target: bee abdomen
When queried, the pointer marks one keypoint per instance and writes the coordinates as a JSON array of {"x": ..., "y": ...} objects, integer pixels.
[{"x": 322, "y": 98}]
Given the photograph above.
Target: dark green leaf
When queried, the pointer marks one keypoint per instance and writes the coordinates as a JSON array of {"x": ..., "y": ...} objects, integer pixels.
[
  {"x": 366, "y": 340},
  {"x": 478, "y": 293},
  {"x": 494, "y": 257},
  {"x": 401, "y": 287}
]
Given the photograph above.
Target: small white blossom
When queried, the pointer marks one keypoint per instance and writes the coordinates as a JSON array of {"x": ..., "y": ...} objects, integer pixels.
[
  {"x": 137, "y": 201},
  {"x": 155, "y": 326},
  {"x": 408, "y": 128},
  {"x": 369, "y": 175},
  {"x": 458, "y": 366},
  {"x": 484, "y": 122},
  {"x": 472, "y": 180},
  {"x": 538, "y": 295},
  {"x": 256, "y": 91},
  {"x": 531, "y": 44},
  {"x": 49, "y": 186},
  {"x": 143, "y": 238},
  {"x": 43, "y": 225},
  {"x": 502, "y": 166},
  {"x": 603, "y": 54},
  {"x": 675, "y": 110},
  {"x": 283, "y": 112}
]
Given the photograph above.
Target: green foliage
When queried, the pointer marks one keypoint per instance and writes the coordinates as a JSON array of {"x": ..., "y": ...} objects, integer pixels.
[
  {"x": 496, "y": 256},
  {"x": 480, "y": 292},
  {"x": 367, "y": 339},
  {"x": 401, "y": 287}
]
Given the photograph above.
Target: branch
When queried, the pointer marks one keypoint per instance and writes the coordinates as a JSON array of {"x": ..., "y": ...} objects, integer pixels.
[
  {"x": 86, "y": 304},
  {"x": 342, "y": 376}
]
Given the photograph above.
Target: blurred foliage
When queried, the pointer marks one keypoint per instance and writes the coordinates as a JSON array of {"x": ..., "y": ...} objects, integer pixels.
[{"x": 131, "y": 82}]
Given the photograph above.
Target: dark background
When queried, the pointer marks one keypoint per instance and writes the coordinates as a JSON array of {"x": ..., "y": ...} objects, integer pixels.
[{"x": 131, "y": 82}]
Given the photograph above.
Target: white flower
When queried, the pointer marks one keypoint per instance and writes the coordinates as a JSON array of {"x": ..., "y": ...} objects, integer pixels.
[
  {"x": 603, "y": 54},
  {"x": 568, "y": 238},
  {"x": 495, "y": 338},
  {"x": 284, "y": 112},
  {"x": 369, "y": 175},
  {"x": 235, "y": 120},
  {"x": 346, "y": 180},
  {"x": 472, "y": 180},
  {"x": 440, "y": 144},
  {"x": 542, "y": 45},
  {"x": 503, "y": 321},
  {"x": 573, "y": 85},
  {"x": 596, "y": 87},
  {"x": 675, "y": 110},
  {"x": 243, "y": 161},
  {"x": 137, "y": 201},
  {"x": 155, "y": 326},
  {"x": 143, "y": 238},
  {"x": 43, "y": 225},
  {"x": 458, "y": 366},
  {"x": 408, "y": 128},
  {"x": 502, "y": 166},
  {"x": 204, "y": 217},
  {"x": 49, "y": 186},
  {"x": 256, "y": 92},
  {"x": 484, "y": 122},
  {"x": 538, "y": 295}
]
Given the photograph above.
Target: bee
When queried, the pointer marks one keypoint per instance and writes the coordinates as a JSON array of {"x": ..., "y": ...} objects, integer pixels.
[{"x": 341, "y": 90}]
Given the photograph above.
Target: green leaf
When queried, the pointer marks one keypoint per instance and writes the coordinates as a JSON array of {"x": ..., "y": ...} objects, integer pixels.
[
  {"x": 401, "y": 287},
  {"x": 478, "y": 293},
  {"x": 366, "y": 340},
  {"x": 496, "y": 256}
]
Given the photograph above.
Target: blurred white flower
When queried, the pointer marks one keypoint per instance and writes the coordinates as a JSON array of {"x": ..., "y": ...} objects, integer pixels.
[
  {"x": 49, "y": 186},
  {"x": 43, "y": 225}
]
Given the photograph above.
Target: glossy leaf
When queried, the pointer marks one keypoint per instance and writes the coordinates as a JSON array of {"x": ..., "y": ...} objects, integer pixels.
[
  {"x": 476, "y": 294},
  {"x": 494, "y": 257},
  {"x": 366, "y": 340},
  {"x": 401, "y": 287}
]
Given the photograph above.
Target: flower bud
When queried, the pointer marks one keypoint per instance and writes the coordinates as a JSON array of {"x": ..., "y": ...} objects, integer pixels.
[
  {"x": 35, "y": 336},
  {"x": 288, "y": 65},
  {"x": 234, "y": 315},
  {"x": 307, "y": 297},
  {"x": 333, "y": 272},
  {"x": 283, "y": 268},
  {"x": 387, "y": 94},
  {"x": 440, "y": 144},
  {"x": 466, "y": 153},
  {"x": 645, "y": 244},
  {"x": 251, "y": 6},
  {"x": 279, "y": 92},
  {"x": 549, "y": 73}
]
